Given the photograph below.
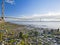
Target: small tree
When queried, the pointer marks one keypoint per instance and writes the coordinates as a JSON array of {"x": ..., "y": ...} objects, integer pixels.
[{"x": 21, "y": 35}]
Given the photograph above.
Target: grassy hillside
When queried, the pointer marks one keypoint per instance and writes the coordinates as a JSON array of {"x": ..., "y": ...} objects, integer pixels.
[{"x": 11, "y": 27}]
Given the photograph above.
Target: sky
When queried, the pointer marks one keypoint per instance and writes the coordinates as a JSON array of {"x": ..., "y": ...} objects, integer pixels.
[{"x": 31, "y": 8}]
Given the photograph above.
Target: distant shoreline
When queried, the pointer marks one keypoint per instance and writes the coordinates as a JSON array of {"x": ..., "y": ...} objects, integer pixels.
[
  {"x": 34, "y": 21},
  {"x": 31, "y": 25}
]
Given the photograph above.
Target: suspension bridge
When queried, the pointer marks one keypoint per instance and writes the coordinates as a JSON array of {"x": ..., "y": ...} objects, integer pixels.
[{"x": 2, "y": 18}]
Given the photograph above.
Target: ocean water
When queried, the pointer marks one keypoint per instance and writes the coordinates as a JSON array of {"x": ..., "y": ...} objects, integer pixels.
[{"x": 43, "y": 24}]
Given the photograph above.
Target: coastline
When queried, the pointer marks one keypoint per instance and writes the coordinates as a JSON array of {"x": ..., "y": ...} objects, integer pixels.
[{"x": 22, "y": 28}]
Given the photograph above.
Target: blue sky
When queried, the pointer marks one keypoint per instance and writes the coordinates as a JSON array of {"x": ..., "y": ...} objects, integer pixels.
[{"x": 31, "y": 8}]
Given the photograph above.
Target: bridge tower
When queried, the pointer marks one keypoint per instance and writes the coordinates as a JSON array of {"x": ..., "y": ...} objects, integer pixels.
[{"x": 2, "y": 15}]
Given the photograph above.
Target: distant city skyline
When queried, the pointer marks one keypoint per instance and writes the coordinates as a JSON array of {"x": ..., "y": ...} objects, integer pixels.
[{"x": 32, "y": 8}]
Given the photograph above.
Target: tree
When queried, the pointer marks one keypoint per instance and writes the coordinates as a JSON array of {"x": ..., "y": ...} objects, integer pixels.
[
  {"x": 58, "y": 30},
  {"x": 24, "y": 39},
  {"x": 36, "y": 33},
  {"x": 12, "y": 41},
  {"x": 23, "y": 43},
  {"x": 21, "y": 35}
]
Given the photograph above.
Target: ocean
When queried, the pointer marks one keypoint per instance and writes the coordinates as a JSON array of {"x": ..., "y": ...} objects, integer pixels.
[{"x": 43, "y": 24}]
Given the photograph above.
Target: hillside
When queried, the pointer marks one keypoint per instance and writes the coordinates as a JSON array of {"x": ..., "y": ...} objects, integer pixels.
[{"x": 11, "y": 27}]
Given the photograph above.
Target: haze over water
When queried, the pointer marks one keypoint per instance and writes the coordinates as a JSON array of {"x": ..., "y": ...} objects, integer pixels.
[{"x": 53, "y": 25}]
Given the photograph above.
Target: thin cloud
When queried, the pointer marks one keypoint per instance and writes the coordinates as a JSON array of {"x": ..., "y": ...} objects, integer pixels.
[
  {"x": 51, "y": 16},
  {"x": 46, "y": 15},
  {"x": 10, "y": 1}
]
